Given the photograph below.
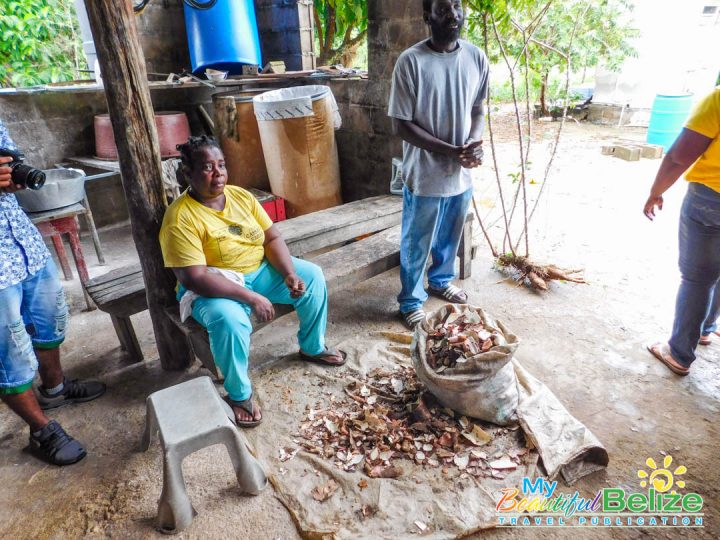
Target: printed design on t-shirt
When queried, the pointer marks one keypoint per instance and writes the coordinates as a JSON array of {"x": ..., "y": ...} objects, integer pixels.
[
  {"x": 231, "y": 241},
  {"x": 250, "y": 233}
]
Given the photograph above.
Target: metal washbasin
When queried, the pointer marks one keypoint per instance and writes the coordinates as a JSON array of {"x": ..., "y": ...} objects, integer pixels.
[{"x": 63, "y": 187}]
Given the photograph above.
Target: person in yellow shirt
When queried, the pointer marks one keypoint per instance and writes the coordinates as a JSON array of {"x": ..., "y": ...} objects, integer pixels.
[
  {"x": 697, "y": 151},
  {"x": 212, "y": 226}
]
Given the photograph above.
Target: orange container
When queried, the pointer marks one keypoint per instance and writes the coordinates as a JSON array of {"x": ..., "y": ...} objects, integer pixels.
[{"x": 237, "y": 131}]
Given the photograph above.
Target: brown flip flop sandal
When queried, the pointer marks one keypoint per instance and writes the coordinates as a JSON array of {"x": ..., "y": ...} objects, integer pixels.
[
  {"x": 705, "y": 341},
  {"x": 248, "y": 406},
  {"x": 662, "y": 352},
  {"x": 321, "y": 358}
]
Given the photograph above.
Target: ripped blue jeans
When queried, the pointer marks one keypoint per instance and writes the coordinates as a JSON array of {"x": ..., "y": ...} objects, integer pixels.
[{"x": 33, "y": 314}]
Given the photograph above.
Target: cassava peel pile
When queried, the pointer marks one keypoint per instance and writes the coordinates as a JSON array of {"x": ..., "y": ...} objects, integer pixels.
[
  {"x": 457, "y": 338},
  {"x": 388, "y": 417}
]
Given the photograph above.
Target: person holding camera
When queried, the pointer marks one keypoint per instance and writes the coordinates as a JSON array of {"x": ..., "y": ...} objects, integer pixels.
[{"x": 33, "y": 320}]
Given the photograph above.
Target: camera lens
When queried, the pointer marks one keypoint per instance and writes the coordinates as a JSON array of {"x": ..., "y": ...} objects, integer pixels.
[
  {"x": 29, "y": 177},
  {"x": 35, "y": 179}
]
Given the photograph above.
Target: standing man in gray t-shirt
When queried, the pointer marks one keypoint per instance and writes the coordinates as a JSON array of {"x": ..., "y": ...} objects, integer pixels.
[{"x": 436, "y": 102}]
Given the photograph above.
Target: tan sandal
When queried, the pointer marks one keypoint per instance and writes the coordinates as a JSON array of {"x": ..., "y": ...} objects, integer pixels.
[
  {"x": 249, "y": 407},
  {"x": 661, "y": 351},
  {"x": 324, "y": 358},
  {"x": 705, "y": 340}
]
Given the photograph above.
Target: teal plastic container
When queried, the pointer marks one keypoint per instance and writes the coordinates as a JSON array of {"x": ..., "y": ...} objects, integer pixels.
[
  {"x": 222, "y": 35},
  {"x": 667, "y": 118}
]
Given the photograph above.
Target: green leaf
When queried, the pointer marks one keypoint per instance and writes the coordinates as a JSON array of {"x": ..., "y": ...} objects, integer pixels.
[{"x": 39, "y": 42}]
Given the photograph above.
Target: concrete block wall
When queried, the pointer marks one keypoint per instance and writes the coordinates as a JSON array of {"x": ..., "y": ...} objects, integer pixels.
[
  {"x": 365, "y": 143},
  {"x": 617, "y": 115},
  {"x": 161, "y": 28}
]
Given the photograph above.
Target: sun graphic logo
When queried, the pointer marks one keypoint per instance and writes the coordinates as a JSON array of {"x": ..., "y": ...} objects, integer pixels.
[{"x": 662, "y": 480}]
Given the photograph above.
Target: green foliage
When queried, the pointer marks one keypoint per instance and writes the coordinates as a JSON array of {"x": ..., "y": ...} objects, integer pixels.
[
  {"x": 341, "y": 30},
  {"x": 39, "y": 42},
  {"x": 589, "y": 33}
]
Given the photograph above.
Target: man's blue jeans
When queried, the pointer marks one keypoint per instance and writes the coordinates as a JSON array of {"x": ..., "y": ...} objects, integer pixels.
[
  {"x": 33, "y": 315},
  {"x": 698, "y": 301},
  {"x": 430, "y": 226}
]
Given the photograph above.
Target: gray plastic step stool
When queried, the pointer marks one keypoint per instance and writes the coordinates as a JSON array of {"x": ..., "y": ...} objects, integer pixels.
[{"x": 191, "y": 416}]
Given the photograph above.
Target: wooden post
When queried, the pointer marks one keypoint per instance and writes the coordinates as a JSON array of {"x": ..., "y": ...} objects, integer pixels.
[{"x": 128, "y": 96}]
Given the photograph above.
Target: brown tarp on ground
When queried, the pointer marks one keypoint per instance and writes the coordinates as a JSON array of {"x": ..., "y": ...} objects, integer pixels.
[
  {"x": 450, "y": 506},
  {"x": 492, "y": 385}
]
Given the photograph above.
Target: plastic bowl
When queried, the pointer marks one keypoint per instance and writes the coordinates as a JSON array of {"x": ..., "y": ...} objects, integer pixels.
[
  {"x": 63, "y": 187},
  {"x": 215, "y": 75}
]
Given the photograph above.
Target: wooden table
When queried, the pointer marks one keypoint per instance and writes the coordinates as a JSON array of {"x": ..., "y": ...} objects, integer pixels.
[{"x": 53, "y": 224}]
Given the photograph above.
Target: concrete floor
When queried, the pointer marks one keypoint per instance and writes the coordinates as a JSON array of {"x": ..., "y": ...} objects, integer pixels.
[{"x": 585, "y": 342}]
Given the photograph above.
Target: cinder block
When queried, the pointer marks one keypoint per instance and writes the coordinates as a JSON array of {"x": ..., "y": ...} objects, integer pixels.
[
  {"x": 628, "y": 153},
  {"x": 651, "y": 151},
  {"x": 608, "y": 150}
]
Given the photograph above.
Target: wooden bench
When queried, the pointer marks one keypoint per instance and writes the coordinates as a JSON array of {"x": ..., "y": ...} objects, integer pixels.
[{"x": 121, "y": 293}]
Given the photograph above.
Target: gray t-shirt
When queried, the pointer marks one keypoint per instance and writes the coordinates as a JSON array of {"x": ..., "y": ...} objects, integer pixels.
[{"x": 437, "y": 91}]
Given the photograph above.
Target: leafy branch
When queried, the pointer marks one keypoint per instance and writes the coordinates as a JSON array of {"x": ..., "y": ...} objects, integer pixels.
[{"x": 39, "y": 42}]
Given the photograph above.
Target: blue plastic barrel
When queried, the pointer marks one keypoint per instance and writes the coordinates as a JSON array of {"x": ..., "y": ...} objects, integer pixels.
[
  {"x": 667, "y": 118},
  {"x": 223, "y": 37}
]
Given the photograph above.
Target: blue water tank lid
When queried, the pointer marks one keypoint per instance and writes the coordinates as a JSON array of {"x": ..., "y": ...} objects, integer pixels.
[{"x": 675, "y": 95}]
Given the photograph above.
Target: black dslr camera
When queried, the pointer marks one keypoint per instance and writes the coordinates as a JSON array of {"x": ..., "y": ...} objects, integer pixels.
[{"x": 23, "y": 175}]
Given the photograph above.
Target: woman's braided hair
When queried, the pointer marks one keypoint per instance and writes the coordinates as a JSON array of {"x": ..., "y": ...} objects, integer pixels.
[{"x": 192, "y": 146}]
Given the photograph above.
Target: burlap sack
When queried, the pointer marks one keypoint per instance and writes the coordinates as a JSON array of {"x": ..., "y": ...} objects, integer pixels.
[{"x": 485, "y": 386}]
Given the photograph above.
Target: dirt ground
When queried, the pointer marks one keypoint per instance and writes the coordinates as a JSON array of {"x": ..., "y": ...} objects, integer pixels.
[{"x": 586, "y": 342}]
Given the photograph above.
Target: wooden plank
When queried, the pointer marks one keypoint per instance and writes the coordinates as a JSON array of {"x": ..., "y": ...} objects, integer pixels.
[
  {"x": 128, "y": 340},
  {"x": 119, "y": 291},
  {"x": 57, "y": 213},
  {"x": 115, "y": 274},
  {"x": 317, "y": 230},
  {"x": 108, "y": 302},
  {"x": 96, "y": 163},
  {"x": 361, "y": 260},
  {"x": 133, "y": 120},
  {"x": 129, "y": 283},
  {"x": 325, "y": 228}
]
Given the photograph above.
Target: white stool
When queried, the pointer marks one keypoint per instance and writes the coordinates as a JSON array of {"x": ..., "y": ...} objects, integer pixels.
[{"x": 191, "y": 416}]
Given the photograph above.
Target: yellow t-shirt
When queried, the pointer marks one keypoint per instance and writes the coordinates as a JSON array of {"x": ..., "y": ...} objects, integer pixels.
[
  {"x": 705, "y": 119},
  {"x": 195, "y": 235}
]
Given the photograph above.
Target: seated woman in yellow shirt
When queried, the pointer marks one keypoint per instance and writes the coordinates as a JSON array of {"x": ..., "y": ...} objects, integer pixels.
[
  {"x": 213, "y": 225},
  {"x": 697, "y": 151}
]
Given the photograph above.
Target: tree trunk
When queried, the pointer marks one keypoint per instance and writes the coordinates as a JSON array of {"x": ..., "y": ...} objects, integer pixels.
[
  {"x": 349, "y": 54},
  {"x": 128, "y": 98},
  {"x": 543, "y": 95}
]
